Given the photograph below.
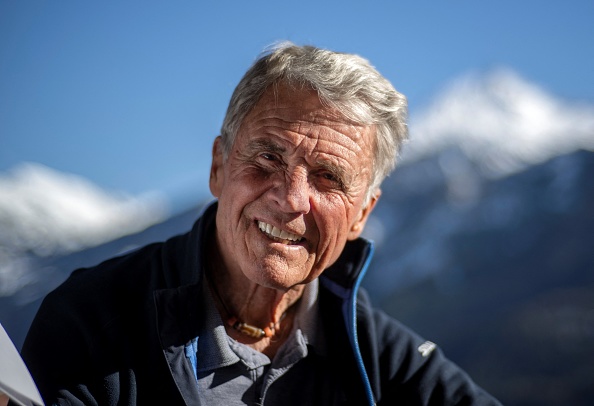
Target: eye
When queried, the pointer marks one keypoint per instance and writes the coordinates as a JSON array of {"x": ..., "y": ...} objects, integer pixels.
[
  {"x": 330, "y": 180},
  {"x": 268, "y": 156},
  {"x": 268, "y": 160},
  {"x": 329, "y": 176}
]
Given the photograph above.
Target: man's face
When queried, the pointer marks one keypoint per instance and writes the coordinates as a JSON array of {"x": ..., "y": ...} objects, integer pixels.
[{"x": 292, "y": 189}]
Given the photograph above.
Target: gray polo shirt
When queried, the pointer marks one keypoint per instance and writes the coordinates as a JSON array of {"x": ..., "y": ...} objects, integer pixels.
[{"x": 231, "y": 373}]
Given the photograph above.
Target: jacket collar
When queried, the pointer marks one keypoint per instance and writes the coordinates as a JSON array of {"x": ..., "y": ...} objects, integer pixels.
[
  {"x": 348, "y": 271},
  {"x": 194, "y": 251}
]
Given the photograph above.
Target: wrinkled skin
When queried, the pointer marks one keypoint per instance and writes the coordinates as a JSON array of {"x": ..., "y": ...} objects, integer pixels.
[{"x": 301, "y": 168}]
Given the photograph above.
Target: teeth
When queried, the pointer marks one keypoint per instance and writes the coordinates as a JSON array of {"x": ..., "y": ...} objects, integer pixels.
[{"x": 277, "y": 233}]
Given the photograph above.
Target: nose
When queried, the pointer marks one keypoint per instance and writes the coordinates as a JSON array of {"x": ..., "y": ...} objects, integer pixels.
[{"x": 293, "y": 192}]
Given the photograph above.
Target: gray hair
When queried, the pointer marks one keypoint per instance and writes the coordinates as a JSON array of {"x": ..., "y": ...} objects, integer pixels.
[{"x": 345, "y": 82}]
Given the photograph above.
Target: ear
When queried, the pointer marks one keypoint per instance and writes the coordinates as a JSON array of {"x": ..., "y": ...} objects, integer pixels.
[
  {"x": 216, "y": 168},
  {"x": 359, "y": 224}
]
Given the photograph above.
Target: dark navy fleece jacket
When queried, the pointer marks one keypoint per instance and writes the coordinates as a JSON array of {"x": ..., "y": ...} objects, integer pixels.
[{"x": 117, "y": 334}]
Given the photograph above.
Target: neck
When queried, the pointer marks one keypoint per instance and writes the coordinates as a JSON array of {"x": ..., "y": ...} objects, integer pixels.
[{"x": 249, "y": 309}]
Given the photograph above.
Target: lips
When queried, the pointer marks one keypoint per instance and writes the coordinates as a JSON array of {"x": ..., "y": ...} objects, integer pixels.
[{"x": 277, "y": 234}]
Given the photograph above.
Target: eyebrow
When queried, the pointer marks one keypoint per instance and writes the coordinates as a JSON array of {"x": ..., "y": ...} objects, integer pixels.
[
  {"x": 337, "y": 170},
  {"x": 266, "y": 145}
]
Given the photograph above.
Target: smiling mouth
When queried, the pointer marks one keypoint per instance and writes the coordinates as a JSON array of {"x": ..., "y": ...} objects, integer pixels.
[{"x": 279, "y": 235}]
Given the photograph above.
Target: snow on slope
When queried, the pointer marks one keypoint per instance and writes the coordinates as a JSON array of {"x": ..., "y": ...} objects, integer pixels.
[
  {"x": 45, "y": 212},
  {"x": 501, "y": 122}
]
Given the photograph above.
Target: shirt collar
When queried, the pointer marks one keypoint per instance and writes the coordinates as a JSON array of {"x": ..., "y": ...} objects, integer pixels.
[{"x": 216, "y": 351}]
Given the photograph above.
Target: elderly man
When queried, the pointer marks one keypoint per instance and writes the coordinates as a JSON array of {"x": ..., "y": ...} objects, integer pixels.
[{"x": 259, "y": 304}]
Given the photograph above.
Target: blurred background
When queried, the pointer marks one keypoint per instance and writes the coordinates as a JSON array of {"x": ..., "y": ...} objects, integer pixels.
[{"x": 484, "y": 233}]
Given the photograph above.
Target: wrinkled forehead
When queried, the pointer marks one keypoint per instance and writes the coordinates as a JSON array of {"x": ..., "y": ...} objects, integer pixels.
[
  {"x": 293, "y": 122},
  {"x": 296, "y": 106}
]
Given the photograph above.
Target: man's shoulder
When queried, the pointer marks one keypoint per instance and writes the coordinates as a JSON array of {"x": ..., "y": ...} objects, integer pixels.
[
  {"x": 376, "y": 321},
  {"x": 407, "y": 362},
  {"x": 129, "y": 266},
  {"x": 153, "y": 266}
]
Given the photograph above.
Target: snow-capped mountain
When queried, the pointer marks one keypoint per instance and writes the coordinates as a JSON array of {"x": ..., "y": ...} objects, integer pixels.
[
  {"x": 44, "y": 212},
  {"x": 501, "y": 122},
  {"x": 50, "y": 212}
]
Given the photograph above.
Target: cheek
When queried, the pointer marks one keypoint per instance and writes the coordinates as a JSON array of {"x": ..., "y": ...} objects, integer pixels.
[
  {"x": 238, "y": 188},
  {"x": 332, "y": 223}
]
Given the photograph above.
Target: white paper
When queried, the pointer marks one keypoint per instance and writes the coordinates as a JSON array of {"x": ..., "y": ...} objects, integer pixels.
[{"x": 15, "y": 379}]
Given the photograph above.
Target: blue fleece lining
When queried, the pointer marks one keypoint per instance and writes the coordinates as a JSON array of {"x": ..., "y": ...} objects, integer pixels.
[
  {"x": 191, "y": 350},
  {"x": 349, "y": 312},
  {"x": 353, "y": 326}
]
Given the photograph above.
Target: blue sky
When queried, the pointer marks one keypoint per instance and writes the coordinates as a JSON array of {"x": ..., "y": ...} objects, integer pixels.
[{"x": 130, "y": 94}]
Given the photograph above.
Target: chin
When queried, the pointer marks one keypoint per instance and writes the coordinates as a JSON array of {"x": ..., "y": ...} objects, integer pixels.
[{"x": 274, "y": 278}]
